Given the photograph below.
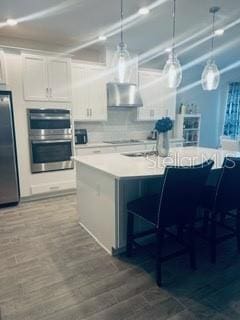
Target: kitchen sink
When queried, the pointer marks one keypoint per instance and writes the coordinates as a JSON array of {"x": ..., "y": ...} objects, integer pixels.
[
  {"x": 123, "y": 141},
  {"x": 140, "y": 154}
]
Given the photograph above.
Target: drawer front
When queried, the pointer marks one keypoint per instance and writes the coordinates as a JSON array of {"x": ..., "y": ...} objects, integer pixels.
[
  {"x": 92, "y": 151},
  {"x": 132, "y": 148},
  {"x": 52, "y": 187},
  {"x": 176, "y": 144},
  {"x": 150, "y": 146}
]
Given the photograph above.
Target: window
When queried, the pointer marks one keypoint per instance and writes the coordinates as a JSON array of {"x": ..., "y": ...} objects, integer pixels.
[{"x": 232, "y": 116}]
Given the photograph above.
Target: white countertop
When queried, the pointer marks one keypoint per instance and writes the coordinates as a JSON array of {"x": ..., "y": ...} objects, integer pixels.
[
  {"x": 104, "y": 144},
  {"x": 122, "y": 167}
]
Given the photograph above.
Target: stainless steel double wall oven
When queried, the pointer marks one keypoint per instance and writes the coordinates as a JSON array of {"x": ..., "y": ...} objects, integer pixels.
[{"x": 51, "y": 140}]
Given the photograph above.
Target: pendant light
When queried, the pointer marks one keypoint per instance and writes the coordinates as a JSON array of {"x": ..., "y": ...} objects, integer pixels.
[
  {"x": 172, "y": 69},
  {"x": 121, "y": 60},
  {"x": 211, "y": 74}
]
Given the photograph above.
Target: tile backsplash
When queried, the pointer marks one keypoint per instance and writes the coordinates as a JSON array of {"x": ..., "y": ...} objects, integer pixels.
[{"x": 121, "y": 124}]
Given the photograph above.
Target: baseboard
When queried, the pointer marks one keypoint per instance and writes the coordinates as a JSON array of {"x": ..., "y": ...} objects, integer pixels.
[
  {"x": 96, "y": 239},
  {"x": 116, "y": 252},
  {"x": 47, "y": 195}
]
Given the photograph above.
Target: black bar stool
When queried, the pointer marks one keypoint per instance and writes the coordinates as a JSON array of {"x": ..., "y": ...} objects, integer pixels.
[
  {"x": 219, "y": 202},
  {"x": 176, "y": 205}
]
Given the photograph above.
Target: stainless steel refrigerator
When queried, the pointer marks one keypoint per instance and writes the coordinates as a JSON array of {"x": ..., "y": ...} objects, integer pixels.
[{"x": 9, "y": 184}]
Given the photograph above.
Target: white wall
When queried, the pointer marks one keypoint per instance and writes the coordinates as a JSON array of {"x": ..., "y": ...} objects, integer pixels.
[
  {"x": 14, "y": 79},
  {"x": 207, "y": 102},
  {"x": 211, "y": 104}
]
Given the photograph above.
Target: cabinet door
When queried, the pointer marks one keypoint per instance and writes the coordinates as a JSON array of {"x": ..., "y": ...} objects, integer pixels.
[
  {"x": 130, "y": 149},
  {"x": 157, "y": 93},
  {"x": 96, "y": 77},
  {"x": 151, "y": 146},
  {"x": 158, "y": 100},
  {"x": 59, "y": 76},
  {"x": 80, "y": 93},
  {"x": 90, "y": 151},
  {"x": 148, "y": 85},
  {"x": 168, "y": 103},
  {"x": 35, "y": 80},
  {"x": 3, "y": 76}
]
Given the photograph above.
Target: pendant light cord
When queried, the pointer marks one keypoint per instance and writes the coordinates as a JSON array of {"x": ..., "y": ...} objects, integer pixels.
[
  {"x": 213, "y": 35},
  {"x": 122, "y": 40},
  {"x": 174, "y": 26}
]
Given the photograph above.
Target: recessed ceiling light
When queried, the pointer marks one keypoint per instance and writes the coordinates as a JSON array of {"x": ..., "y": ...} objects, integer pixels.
[
  {"x": 11, "y": 22},
  {"x": 102, "y": 38},
  {"x": 143, "y": 11},
  {"x": 219, "y": 32},
  {"x": 168, "y": 50}
]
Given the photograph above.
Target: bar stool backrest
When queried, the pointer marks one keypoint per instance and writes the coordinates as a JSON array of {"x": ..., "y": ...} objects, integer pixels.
[
  {"x": 228, "y": 188},
  {"x": 181, "y": 192}
]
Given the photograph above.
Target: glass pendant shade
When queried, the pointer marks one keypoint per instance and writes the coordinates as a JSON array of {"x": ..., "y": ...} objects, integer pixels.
[
  {"x": 122, "y": 64},
  {"x": 173, "y": 71},
  {"x": 210, "y": 76}
]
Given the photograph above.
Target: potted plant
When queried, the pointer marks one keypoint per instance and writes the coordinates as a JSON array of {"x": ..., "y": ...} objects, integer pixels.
[{"x": 162, "y": 127}]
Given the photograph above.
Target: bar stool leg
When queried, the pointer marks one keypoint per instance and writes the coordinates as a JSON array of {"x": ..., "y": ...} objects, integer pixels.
[
  {"x": 160, "y": 243},
  {"x": 205, "y": 222},
  {"x": 238, "y": 230},
  {"x": 192, "y": 250},
  {"x": 213, "y": 236},
  {"x": 130, "y": 230}
]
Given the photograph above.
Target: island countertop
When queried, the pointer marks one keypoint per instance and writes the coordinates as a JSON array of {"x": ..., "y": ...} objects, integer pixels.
[{"x": 122, "y": 167}]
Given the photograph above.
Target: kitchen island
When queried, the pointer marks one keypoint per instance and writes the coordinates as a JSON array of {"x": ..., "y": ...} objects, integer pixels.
[{"x": 107, "y": 182}]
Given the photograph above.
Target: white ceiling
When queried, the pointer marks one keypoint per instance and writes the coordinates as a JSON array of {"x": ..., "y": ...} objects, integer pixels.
[{"x": 74, "y": 23}]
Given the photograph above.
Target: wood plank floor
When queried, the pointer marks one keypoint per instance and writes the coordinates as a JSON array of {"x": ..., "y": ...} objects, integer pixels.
[{"x": 51, "y": 269}]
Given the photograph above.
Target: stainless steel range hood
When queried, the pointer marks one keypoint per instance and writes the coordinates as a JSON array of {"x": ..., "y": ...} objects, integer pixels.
[{"x": 123, "y": 95}]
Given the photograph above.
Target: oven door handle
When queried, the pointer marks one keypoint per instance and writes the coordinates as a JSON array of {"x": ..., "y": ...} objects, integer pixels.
[
  {"x": 50, "y": 141},
  {"x": 35, "y": 117}
]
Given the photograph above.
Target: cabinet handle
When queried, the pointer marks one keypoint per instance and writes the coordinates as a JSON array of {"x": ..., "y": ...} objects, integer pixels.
[
  {"x": 47, "y": 92},
  {"x": 97, "y": 151},
  {"x": 50, "y": 91},
  {"x": 87, "y": 112},
  {"x": 91, "y": 112},
  {"x": 54, "y": 188}
]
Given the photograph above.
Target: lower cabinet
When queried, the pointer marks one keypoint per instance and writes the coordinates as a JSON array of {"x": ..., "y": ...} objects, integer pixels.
[
  {"x": 52, "y": 187},
  {"x": 91, "y": 151},
  {"x": 177, "y": 144},
  {"x": 151, "y": 146},
  {"x": 134, "y": 148},
  {"x": 103, "y": 150}
]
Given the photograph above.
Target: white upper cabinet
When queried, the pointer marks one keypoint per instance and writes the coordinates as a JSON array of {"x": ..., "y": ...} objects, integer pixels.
[
  {"x": 59, "y": 76},
  {"x": 158, "y": 100},
  {"x": 97, "y": 92},
  {"x": 80, "y": 109},
  {"x": 35, "y": 79},
  {"x": 169, "y": 100},
  {"x": 89, "y": 92},
  {"x": 3, "y": 73},
  {"x": 46, "y": 78}
]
